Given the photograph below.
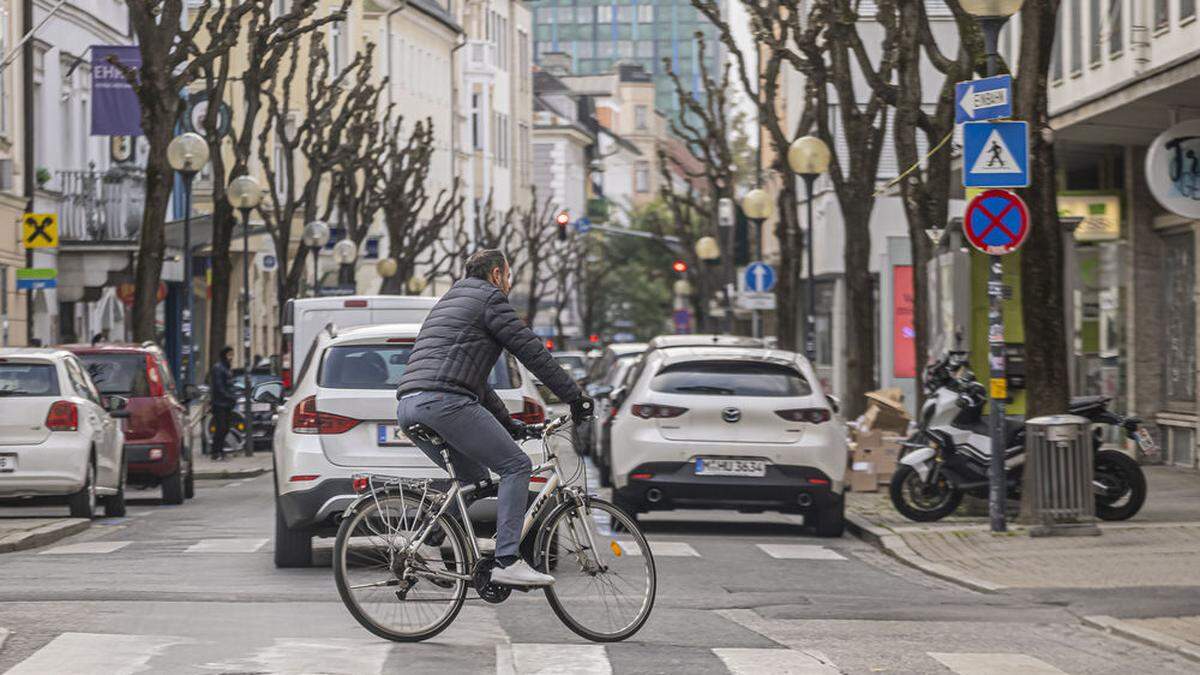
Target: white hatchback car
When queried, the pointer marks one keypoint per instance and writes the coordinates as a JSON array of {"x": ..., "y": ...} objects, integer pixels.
[
  {"x": 733, "y": 428},
  {"x": 59, "y": 442},
  {"x": 340, "y": 420}
]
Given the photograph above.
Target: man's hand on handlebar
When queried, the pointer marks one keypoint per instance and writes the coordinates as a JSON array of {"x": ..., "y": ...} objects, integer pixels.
[{"x": 582, "y": 408}]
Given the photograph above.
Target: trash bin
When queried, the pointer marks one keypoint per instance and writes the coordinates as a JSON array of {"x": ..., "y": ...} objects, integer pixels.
[{"x": 1058, "y": 476}]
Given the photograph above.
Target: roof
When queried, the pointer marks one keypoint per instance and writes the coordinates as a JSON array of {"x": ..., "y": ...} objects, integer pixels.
[
  {"x": 437, "y": 12},
  {"x": 702, "y": 340},
  {"x": 546, "y": 83},
  {"x": 620, "y": 348},
  {"x": 43, "y": 352},
  {"x": 115, "y": 347},
  {"x": 681, "y": 354},
  {"x": 379, "y": 331}
]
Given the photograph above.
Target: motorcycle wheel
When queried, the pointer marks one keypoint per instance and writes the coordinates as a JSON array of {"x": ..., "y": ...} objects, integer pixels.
[
  {"x": 1124, "y": 486},
  {"x": 920, "y": 502}
]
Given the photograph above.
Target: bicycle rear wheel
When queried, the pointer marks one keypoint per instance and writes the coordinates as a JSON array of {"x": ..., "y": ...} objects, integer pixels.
[
  {"x": 395, "y": 595},
  {"x": 604, "y": 593}
]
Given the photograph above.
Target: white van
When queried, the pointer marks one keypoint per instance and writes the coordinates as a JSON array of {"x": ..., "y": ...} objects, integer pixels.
[{"x": 304, "y": 318}]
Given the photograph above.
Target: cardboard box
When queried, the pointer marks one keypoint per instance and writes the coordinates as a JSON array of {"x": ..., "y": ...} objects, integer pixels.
[
  {"x": 862, "y": 478},
  {"x": 886, "y": 412}
]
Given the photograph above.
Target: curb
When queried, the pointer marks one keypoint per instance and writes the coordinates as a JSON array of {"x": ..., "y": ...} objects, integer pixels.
[
  {"x": 1147, "y": 636},
  {"x": 46, "y": 534},
  {"x": 225, "y": 474},
  {"x": 895, "y": 546}
]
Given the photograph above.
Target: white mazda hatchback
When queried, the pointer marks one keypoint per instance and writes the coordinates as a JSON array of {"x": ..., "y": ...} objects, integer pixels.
[{"x": 729, "y": 428}]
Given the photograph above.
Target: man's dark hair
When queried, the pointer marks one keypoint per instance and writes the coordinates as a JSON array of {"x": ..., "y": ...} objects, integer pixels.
[
  {"x": 226, "y": 351},
  {"x": 481, "y": 263}
]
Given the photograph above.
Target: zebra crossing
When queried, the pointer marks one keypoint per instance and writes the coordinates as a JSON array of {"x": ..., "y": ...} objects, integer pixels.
[{"x": 77, "y": 653}]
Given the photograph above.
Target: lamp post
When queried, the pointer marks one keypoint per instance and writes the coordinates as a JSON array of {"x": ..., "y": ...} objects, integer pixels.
[
  {"x": 992, "y": 15},
  {"x": 708, "y": 251},
  {"x": 316, "y": 235},
  {"x": 187, "y": 154},
  {"x": 758, "y": 207},
  {"x": 344, "y": 253},
  {"x": 244, "y": 194},
  {"x": 726, "y": 219},
  {"x": 808, "y": 156},
  {"x": 386, "y": 269}
]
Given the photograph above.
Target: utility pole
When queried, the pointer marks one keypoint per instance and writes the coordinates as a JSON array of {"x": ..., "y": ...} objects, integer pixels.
[{"x": 29, "y": 170}]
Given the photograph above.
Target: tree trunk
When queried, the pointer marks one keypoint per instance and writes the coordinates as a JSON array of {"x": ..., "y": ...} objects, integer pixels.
[
  {"x": 787, "y": 285},
  {"x": 158, "y": 124},
  {"x": 1043, "y": 306},
  {"x": 859, "y": 306},
  {"x": 223, "y": 285}
]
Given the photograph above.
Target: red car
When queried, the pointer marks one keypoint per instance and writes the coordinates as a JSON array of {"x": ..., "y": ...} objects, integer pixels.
[{"x": 156, "y": 449}]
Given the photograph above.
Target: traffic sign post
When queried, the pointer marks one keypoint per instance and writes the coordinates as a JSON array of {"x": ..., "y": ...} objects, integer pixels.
[
  {"x": 39, "y": 230},
  {"x": 759, "y": 277},
  {"x": 987, "y": 99},
  {"x": 996, "y": 222},
  {"x": 996, "y": 154},
  {"x": 33, "y": 278}
]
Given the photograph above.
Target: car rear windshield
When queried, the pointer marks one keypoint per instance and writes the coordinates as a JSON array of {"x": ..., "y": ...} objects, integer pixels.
[
  {"x": 123, "y": 374},
  {"x": 730, "y": 378},
  {"x": 364, "y": 366},
  {"x": 570, "y": 360},
  {"x": 28, "y": 379},
  {"x": 506, "y": 374}
]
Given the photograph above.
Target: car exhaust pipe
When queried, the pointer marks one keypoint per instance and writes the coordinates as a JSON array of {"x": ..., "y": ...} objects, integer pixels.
[
  {"x": 804, "y": 500},
  {"x": 654, "y": 495}
]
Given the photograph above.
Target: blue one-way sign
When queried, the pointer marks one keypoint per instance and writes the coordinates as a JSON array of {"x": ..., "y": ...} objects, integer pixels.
[
  {"x": 996, "y": 154},
  {"x": 759, "y": 277},
  {"x": 986, "y": 99}
]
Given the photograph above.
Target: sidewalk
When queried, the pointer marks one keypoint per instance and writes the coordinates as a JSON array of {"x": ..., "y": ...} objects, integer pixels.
[
  {"x": 233, "y": 466},
  {"x": 1160, "y": 547},
  {"x": 18, "y": 534}
]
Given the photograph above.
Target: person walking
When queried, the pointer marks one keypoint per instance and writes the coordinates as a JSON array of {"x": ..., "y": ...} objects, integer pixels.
[{"x": 222, "y": 400}]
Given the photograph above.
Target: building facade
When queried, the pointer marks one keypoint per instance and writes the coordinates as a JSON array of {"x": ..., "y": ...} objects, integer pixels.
[{"x": 13, "y": 323}]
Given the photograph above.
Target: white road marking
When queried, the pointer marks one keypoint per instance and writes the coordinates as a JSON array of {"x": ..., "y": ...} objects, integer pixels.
[
  {"x": 87, "y": 653},
  {"x": 331, "y": 656},
  {"x": 742, "y": 661},
  {"x": 87, "y": 547},
  {"x": 800, "y": 552},
  {"x": 552, "y": 659},
  {"x": 227, "y": 546},
  {"x": 993, "y": 664},
  {"x": 661, "y": 549}
]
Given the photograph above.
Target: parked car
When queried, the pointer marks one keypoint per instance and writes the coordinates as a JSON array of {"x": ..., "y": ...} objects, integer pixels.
[
  {"x": 614, "y": 394},
  {"x": 341, "y": 420},
  {"x": 157, "y": 451},
  {"x": 574, "y": 362},
  {"x": 60, "y": 440},
  {"x": 729, "y": 427},
  {"x": 603, "y": 376},
  {"x": 262, "y": 415}
]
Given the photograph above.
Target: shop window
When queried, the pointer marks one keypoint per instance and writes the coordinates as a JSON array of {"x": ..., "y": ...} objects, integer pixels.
[
  {"x": 1116, "y": 30},
  {"x": 1162, "y": 15},
  {"x": 1179, "y": 282},
  {"x": 1179, "y": 445}
]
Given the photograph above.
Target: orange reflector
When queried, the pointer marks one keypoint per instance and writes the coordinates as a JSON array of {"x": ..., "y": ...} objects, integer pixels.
[
  {"x": 616, "y": 548},
  {"x": 538, "y": 479},
  {"x": 300, "y": 478}
]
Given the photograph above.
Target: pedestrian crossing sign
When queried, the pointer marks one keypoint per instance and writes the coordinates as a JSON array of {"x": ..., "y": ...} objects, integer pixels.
[{"x": 996, "y": 154}]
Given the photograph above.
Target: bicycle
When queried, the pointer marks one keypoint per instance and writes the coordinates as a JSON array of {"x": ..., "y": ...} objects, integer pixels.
[{"x": 403, "y": 561}]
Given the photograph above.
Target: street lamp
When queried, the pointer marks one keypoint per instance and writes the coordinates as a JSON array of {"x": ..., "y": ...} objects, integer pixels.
[
  {"x": 387, "y": 269},
  {"x": 757, "y": 206},
  {"x": 187, "y": 154},
  {"x": 991, "y": 15},
  {"x": 344, "y": 253},
  {"x": 316, "y": 235},
  {"x": 244, "y": 194},
  {"x": 808, "y": 156},
  {"x": 709, "y": 252}
]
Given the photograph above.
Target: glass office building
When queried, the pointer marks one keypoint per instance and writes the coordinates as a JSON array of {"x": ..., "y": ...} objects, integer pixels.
[{"x": 599, "y": 34}]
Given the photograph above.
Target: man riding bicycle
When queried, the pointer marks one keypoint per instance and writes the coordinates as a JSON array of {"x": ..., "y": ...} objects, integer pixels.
[{"x": 444, "y": 388}]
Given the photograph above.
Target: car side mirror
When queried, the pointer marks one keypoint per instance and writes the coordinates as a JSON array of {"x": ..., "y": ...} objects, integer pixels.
[
  {"x": 268, "y": 392},
  {"x": 116, "y": 406},
  {"x": 835, "y": 403}
]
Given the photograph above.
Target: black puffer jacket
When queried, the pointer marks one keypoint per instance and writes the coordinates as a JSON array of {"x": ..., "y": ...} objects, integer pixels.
[{"x": 461, "y": 339}]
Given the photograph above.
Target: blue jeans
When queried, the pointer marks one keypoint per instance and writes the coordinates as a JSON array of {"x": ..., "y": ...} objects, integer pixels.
[{"x": 478, "y": 442}]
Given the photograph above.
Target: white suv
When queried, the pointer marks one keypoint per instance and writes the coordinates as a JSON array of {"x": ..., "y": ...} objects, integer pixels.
[
  {"x": 340, "y": 419},
  {"x": 729, "y": 427}
]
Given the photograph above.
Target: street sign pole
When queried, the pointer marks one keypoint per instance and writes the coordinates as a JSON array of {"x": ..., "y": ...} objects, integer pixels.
[{"x": 997, "y": 393}]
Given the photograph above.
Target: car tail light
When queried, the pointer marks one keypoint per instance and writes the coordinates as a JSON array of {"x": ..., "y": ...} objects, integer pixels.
[
  {"x": 641, "y": 476},
  {"x": 303, "y": 477},
  {"x": 532, "y": 412},
  {"x": 156, "y": 383},
  {"x": 63, "y": 416},
  {"x": 156, "y": 454},
  {"x": 654, "y": 411},
  {"x": 287, "y": 378},
  {"x": 819, "y": 481},
  {"x": 354, "y": 303},
  {"x": 810, "y": 415},
  {"x": 306, "y": 419},
  {"x": 361, "y": 483}
]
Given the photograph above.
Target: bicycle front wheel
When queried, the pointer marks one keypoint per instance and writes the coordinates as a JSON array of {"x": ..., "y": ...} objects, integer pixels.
[
  {"x": 401, "y": 596},
  {"x": 604, "y": 582}
]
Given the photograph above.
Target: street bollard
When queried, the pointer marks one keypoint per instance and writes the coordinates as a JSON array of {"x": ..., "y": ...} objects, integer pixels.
[{"x": 1058, "y": 476}]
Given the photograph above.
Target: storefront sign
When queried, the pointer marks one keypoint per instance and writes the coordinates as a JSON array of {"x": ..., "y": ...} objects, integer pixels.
[
  {"x": 1101, "y": 215},
  {"x": 904, "y": 344},
  {"x": 1173, "y": 169},
  {"x": 115, "y": 107}
]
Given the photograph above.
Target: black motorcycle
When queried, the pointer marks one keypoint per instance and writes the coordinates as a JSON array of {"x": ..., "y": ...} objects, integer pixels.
[{"x": 950, "y": 453}]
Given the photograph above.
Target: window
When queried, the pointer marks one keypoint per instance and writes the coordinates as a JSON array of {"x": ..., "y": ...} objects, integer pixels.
[
  {"x": 506, "y": 374},
  {"x": 1056, "y": 69},
  {"x": 3, "y": 75},
  {"x": 364, "y": 366},
  {"x": 523, "y": 152},
  {"x": 1179, "y": 336},
  {"x": 1162, "y": 14},
  {"x": 28, "y": 379},
  {"x": 123, "y": 374},
  {"x": 280, "y": 7},
  {"x": 646, "y": 13},
  {"x": 625, "y": 14},
  {"x": 604, "y": 14},
  {"x": 730, "y": 378},
  {"x": 338, "y": 44},
  {"x": 523, "y": 58},
  {"x": 1076, "y": 45},
  {"x": 1116, "y": 29},
  {"x": 1187, "y": 10},
  {"x": 1094, "y": 21},
  {"x": 641, "y": 177},
  {"x": 476, "y": 137},
  {"x": 280, "y": 169},
  {"x": 639, "y": 116}
]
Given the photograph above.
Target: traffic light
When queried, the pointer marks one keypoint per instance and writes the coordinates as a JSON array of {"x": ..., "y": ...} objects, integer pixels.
[
  {"x": 594, "y": 338},
  {"x": 562, "y": 219},
  {"x": 550, "y": 344},
  {"x": 679, "y": 266}
]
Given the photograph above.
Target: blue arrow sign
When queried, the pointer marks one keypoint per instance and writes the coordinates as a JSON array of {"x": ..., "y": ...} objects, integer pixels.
[
  {"x": 996, "y": 154},
  {"x": 583, "y": 225},
  {"x": 759, "y": 277},
  {"x": 986, "y": 99}
]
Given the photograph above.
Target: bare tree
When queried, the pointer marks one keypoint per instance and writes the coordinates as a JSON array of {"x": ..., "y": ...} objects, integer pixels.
[
  {"x": 535, "y": 245},
  {"x": 174, "y": 55}
]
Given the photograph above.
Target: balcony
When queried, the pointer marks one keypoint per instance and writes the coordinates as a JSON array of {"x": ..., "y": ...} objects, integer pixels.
[
  {"x": 481, "y": 58},
  {"x": 100, "y": 206}
]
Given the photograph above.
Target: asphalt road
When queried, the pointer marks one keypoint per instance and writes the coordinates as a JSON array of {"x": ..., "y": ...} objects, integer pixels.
[{"x": 192, "y": 589}]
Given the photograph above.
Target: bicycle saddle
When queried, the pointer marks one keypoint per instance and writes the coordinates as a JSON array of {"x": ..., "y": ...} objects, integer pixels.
[{"x": 420, "y": 432}]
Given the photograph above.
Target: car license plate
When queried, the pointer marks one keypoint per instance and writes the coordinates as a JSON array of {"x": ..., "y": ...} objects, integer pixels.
[
  {"x": 390, "y": 434},
  {"x": 8, "y": 463},
  {"x": 706, "y": 466},
  {"x": 1146, "y": 441}
]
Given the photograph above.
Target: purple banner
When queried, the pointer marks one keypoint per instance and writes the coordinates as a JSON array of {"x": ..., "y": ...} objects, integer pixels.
[{"x": 115, "y": 107}]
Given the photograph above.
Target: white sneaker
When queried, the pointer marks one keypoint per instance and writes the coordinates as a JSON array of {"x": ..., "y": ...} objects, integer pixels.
[{"x": 520, "y": 574}]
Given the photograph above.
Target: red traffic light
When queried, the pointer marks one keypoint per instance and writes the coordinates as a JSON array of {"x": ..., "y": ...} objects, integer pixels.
[
  {"x": 550, "y": 344},
  {"x": 563, "y": 218},
  {"x": 593, "y": 338},
  {"x": 679, "y": 266}
]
